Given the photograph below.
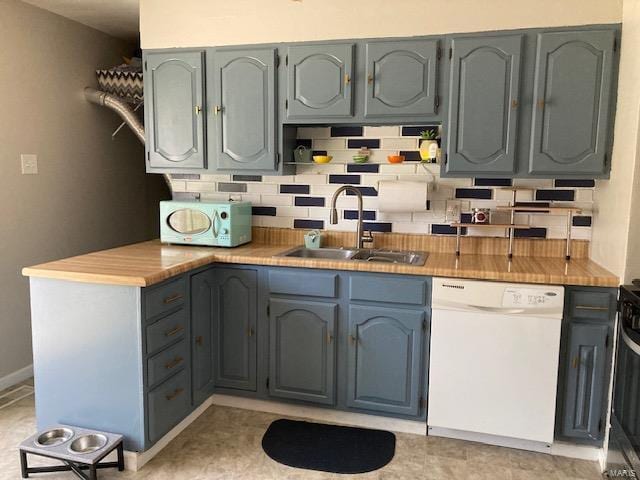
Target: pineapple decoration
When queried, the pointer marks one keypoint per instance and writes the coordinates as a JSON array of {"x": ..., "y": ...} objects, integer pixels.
[{"x": 429, "y": 145}]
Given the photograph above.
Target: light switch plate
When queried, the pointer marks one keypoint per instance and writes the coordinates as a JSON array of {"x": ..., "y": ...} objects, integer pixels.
[{"x": 29, "y": 162}]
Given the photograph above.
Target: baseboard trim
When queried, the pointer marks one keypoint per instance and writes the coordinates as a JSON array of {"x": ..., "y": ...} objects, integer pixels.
[
  {"x": 16, "y": 377},
  {"x": 323, "y": 415}
]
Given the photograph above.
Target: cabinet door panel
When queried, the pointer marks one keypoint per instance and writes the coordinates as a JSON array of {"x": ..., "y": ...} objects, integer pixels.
[
  {"x": 174, "y": 101},
  {"x": 320, "y": 81},
  {"x": 302, "y": 350},
  {"x": 571, "y": 115},
  {"x": 235, "y": 328},
  {"x": 385, "y": 356},
  {"x": 585, "y": 382},
  {"x": 203, "y": 292},
  {"x": 245, "y": 109},
  {"x": 482, "y": 120},
  {"x": 401, "y": 78}
]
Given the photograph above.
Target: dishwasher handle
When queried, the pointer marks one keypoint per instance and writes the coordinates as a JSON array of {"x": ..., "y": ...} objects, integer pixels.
[{"x": 503, "y": 311}]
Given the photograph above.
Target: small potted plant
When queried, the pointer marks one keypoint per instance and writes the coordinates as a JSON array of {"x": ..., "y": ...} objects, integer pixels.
[{"x": 429, "y": 145}]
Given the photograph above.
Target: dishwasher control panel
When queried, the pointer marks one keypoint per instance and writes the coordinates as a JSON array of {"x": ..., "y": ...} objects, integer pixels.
[{"x": 529, "y": 298}]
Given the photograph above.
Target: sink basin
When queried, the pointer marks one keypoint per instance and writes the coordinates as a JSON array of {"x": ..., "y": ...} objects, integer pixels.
[
  {"x": 388, "y": 256},
  {"x": 363, "y": 255},
  {"x": 324, "y": 253}
]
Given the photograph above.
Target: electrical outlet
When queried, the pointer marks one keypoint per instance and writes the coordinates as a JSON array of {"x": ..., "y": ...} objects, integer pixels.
[{"x": 29, "y": 163}]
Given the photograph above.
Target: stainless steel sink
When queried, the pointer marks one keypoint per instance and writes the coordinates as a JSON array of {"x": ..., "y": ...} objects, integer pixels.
[
  {"x": 325, "y": 253},
  {"x": 362, "y": 255},
  {"x": 389, "y": 256}
]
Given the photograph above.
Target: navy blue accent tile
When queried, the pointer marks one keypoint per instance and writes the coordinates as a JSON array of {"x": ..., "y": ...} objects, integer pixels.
[
  {"x": 561, "y": 195},
  {"x": 185, "y": 176},
  {"x": 346, "y": 179},
  {"x": 532, "y": 204},
  {"x": 465, "y": 217},
  {"x": 377, "y": 227},
  {"x": 309, "y": 202},
  {"x": 298, "y": 223},
  {"x": 319, "y": 152},
  {"x": 185, "y": 196},
  {"x": 247, "y": 178},
  {"x": 428, "y": 204},
  {"x": 303, "y": 189},
  {"x": 564, "y": 182},
  {"x": 363, "y": 168},
  {"x": 265, "y": 211},
  {"x": 363, "y": 142},
  {"x": 416, "y": 131},
  {"x": 530, "y": 233},
  {"x": 492, "y": 182},
  {"x": 365, "y": 191},
  {"x": 352, "y": 131},
  {"x": 478, "y": 193},
  {"x": 446, "y": 230},
  {"x": 411, "y": 155},
  {"x": 305, "y": 142},
  {"x": 353, "y": 215},
  {"x": 582, "y": 221}
]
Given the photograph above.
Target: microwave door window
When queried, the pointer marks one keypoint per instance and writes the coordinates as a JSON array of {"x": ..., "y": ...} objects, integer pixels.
[{"x": 189, "y": 222}]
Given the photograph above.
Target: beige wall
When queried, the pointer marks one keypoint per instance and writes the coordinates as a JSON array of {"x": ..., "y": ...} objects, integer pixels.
[
  {"x": 616, "y": 243},
  {"x": 91, "y": 193},
  {"x": 168, "y": 23}
]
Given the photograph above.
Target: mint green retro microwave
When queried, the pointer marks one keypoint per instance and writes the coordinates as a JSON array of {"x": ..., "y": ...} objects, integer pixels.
[{"x": 215, "y": 224}]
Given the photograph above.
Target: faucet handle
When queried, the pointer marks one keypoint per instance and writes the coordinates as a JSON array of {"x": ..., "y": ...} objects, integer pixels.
[{"x": 367, "y": 237}]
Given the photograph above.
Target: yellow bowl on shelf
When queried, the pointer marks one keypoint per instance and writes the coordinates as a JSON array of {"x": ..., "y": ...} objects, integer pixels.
[{"x": 322, "y": 158}]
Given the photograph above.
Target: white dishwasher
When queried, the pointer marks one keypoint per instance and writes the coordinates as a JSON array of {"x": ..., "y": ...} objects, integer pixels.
[{"x": 493, "y": 363}]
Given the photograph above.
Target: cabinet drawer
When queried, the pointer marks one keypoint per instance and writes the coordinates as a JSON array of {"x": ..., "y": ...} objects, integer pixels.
[
  {"x": 169, "y": 403},
  {"x": 167, "y": 362},
  {"x": 388, "y": 289},
  {"x": 166, "y": 330},
  {"x": 303, "y": 283},
  {"x": 589, "y": 304},
  {"x": 165, "y": 297}
]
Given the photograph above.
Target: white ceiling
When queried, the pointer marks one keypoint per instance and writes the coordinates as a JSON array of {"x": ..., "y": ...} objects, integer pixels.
[{"x": 119, "y": 18}]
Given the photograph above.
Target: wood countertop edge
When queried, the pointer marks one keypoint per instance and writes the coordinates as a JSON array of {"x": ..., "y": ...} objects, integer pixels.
[{"x": 53, "y": 271}]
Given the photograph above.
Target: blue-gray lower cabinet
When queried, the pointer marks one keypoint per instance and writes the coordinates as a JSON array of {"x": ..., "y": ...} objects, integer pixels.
[
  {"x": 235, "y": 327},
  {"x": 385, "y": 359},
  {"x": 302, "y": 352},
  {"x": 585, "y": 362},
  {"x": 203, "y": 308},
  {"x": 572, "y": 102}
]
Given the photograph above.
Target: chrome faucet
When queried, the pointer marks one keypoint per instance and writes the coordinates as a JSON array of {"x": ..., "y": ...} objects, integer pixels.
[{"x": 360, "y": 238}]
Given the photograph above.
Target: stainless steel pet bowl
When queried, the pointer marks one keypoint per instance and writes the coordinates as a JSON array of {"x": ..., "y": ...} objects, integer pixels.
[
  {"x": 54, "y": 437},
  {"x": 88, "y": 443}
]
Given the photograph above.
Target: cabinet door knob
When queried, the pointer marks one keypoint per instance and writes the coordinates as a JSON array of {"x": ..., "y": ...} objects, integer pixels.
[
  {"x": 250, "y": 331},
  {"x": 370, "y": 79},
  {"x": 514, "y": 103},
  {"x": 329, "y": 337},
  {"x": 540, "y": 103},
  {"x": 574, "y": 362},
  {"x": 199, "y": 340},
  {"x": 352, "y": 339},
  {"x": 198, "y": 109},
  {"x": 347, "y": 79},
  {"x": 217, "y": 109}
]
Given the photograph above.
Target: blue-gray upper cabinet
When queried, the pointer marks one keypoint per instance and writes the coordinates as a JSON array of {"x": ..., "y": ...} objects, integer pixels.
[
  {"x": 401, "y": 78},
  {"x": 203, "y": 305},
  {"x": 481, "y": 123},
  {"x": 572, "y": 100},
  {"x": 235, "y": 323},
  {"x": 174, "y": 86},
  {"x": 244, "y": 82},
  {"x": 319, "y": 80},
  {"x": 302, "y": 350},
  {"x": 385, "y": 359}
]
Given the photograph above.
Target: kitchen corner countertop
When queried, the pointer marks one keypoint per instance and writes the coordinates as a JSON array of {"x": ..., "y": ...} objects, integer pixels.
[{"x": 148, "y": 263}]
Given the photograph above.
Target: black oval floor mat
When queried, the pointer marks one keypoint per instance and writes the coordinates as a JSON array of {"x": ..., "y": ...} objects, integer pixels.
[{"x": 329, "y": 448}]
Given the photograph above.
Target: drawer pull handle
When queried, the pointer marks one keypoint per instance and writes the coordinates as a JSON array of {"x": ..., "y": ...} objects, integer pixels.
[
  {"x": 199, "y": 340},
  {"x": 173, "y": 395},
  {"x": 250, "y": 331},
  {"x": 172, "y": 298},
  {"x": 174, "y": 331},
  {"x": 595, "y": 309},
  {"x": 574, "y": 362},
  {"x": 329, "y": 337},
  {"x": 174, "y": 363}
]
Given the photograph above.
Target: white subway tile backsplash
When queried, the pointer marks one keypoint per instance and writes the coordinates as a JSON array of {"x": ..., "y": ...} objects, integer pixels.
[{"x": 312, "y": 180}]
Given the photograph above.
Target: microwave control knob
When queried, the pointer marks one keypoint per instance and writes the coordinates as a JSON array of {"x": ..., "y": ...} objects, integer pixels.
[{"x": 224, "y": 231}]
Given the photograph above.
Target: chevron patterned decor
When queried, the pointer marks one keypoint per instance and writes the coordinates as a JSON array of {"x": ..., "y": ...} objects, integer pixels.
[{"x": 125, "y": 84}]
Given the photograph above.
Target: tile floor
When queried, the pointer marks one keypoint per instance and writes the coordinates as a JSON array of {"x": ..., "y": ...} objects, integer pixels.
[{"x": 224, "y": 443}]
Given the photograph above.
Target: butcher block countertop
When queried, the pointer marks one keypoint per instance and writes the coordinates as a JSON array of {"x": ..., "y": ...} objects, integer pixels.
[{"x": 147, "y": 263}]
